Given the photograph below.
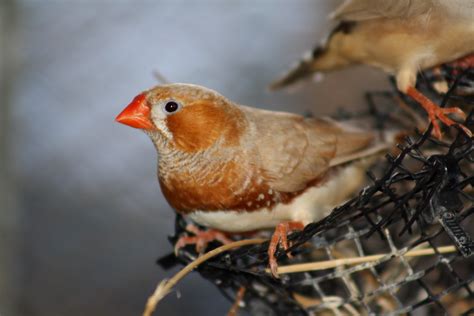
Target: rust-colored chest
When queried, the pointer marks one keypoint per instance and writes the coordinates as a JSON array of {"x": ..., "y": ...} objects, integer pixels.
[
  {"x": 230, "y": 185},
  {"x": 213, "y": 186}
]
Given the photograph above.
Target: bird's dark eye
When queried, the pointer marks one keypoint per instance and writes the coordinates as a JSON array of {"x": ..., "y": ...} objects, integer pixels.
[{"x": 171, "y": 106}]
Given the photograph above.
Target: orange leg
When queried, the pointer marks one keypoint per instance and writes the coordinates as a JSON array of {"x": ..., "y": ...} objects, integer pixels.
[
  {"x": 201, "y": 238},
  {"x": 436, "y": 112},
  {"x": 280, "y": 237},
  {"x": 238, "y": 299}
]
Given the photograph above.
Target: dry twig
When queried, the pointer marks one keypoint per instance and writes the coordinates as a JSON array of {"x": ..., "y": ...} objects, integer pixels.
[
  {"x": 321, "y": 265},
  {"x": 165, "y": 286}
]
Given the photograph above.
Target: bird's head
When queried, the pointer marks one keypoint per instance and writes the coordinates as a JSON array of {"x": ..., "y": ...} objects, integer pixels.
[{"x": 186, "y": 117}]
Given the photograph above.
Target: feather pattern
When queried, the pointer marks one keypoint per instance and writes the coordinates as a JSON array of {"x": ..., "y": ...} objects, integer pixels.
[
  {"x": 360, "y": 10},
  {"x": 294, "y": 150}
]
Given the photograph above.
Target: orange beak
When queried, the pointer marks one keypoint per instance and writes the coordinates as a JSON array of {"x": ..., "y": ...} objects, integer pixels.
[{"x": 136, "y": 114}]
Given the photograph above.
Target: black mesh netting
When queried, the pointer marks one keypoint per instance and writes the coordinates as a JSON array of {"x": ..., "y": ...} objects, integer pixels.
[{"x": 418, "y": 198}]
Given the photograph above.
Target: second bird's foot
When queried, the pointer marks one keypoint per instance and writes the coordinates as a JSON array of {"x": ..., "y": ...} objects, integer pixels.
[
  {"x": 436, "y": 112},
  {"x": 440, "y": 114}
]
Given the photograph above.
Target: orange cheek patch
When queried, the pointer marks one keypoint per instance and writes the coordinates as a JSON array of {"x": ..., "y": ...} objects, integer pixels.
[{"x": 198, "y": 126}]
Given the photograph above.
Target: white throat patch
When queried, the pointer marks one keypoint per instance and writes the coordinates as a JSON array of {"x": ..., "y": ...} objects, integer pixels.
[{"x": 159, "y": 119}]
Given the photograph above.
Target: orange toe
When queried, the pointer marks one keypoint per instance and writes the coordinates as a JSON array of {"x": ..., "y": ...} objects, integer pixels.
[
  {"x": 280, "y": 236},
  {"x": 201, "y": 238},
  {"x": 437, "y": 113}
]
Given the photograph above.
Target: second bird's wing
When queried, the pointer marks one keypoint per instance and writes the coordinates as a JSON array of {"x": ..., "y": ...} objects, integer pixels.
[{"x": 359, "y": 10}]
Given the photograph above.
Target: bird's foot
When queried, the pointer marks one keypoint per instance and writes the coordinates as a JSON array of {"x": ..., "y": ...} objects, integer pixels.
[
  {"x": 435, "y": 112},
  {"x": 280, "y": 236},
  {"x": 201, "y": 238}
]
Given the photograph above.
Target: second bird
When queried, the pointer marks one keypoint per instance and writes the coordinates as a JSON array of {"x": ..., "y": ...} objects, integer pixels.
[{"x": 400, "y": 36}]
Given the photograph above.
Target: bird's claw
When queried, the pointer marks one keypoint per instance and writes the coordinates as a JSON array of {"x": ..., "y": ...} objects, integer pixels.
[
  {"x": 439, "y": 113},
  {"x": 280, "y": 236},
  {"x": 201, "y": 239}
]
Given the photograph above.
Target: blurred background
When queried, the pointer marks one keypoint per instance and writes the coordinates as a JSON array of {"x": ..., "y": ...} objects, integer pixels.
[{"x": 82, "y": 219}]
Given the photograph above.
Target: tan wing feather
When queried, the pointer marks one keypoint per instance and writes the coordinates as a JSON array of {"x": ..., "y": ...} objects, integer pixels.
[
  {"x": 359, "y": 10},
  {"x": 460, "y": 9},
  {"x": 294, "y": 151},
  {"x": 281, "y": 143}
]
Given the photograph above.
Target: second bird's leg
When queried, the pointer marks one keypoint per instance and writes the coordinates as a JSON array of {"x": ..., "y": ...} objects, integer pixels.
[
  {"x": 436, "y": 112},
  {"x": 201, "y": 238},
  {"x": 280, "y": 236}
]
